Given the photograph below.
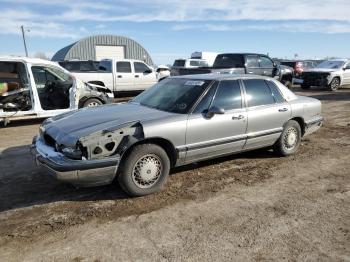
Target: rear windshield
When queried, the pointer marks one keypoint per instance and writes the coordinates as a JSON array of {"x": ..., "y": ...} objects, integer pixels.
[
  {"x": 179, "y": 62},
  {"x": 200, "y": 63},
  {"x": 229, "y": 61}
]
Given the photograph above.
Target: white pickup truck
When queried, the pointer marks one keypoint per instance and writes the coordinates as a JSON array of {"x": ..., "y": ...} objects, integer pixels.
[{"x": 121, "y": 75}]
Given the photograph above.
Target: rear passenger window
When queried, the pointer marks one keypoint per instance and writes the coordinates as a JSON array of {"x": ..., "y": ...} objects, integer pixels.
[
  {"x": 123, "y": 67},
  {"x": 275, "y": 92},
  {"x": 258, "y": 92},
  {"x": 252, "y": 61},
  {"x": 228, "y": 95}
]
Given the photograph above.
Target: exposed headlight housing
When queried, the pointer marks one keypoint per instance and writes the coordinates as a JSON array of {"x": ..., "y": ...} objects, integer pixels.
[
  {"x": 74, "y": 153},
  {"x": 329, "y": 76}
]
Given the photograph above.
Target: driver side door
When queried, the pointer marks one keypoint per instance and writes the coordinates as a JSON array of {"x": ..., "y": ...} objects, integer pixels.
[{"x": 221, "y": 134}]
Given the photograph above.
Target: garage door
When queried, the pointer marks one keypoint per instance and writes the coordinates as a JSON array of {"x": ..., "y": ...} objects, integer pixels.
[{"x": 104, "y": 51}]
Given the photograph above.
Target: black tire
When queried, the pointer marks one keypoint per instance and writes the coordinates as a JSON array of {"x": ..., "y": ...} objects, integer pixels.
[
  {"x": 286, "y": 144},
  {"x": 92, "y": 102},
  {"x": 147, "y": 156},
  {"x": 334, "y": 85},
  {"x": 305, "y": 87}
]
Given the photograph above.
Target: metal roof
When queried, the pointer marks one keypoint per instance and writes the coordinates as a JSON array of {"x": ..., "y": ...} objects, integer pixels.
[{"x": 84, "y": 49}]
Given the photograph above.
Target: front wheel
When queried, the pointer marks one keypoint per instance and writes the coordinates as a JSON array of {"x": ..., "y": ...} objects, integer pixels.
[
  {"x": 92, "y": 102},
  {"x": 290, "y": 139},
  {"x": 334, "y": 85},
  {"x": 145, "y": 170}
]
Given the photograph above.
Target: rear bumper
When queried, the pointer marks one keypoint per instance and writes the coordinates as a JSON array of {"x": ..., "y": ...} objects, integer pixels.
[
  {"x": 313, "y": 125},
  {"x": 82, "y": 173}
]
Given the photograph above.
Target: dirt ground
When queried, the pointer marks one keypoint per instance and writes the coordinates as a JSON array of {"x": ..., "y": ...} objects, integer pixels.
[{"x": 251, "y": 206}]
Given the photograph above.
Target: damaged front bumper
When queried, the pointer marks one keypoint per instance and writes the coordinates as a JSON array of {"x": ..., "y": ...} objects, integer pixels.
[{"x": 81, "y": 173}]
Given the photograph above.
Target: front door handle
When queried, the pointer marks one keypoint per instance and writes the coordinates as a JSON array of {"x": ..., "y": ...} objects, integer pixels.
[
  {"x": 283, "y": 109},
  {"x": 137, "y": 76},
  {"x": 238, "y": 117}
]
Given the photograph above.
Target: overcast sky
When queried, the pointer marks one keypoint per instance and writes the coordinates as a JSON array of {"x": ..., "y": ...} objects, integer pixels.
[{"x": 173, "y": 29}]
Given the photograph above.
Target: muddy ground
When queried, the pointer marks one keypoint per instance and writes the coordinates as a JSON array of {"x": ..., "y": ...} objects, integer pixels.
[{"x": 251, "y": 206}]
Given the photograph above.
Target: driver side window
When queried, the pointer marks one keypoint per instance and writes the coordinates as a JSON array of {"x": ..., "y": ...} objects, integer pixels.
[{"x": 41, "y": 76}]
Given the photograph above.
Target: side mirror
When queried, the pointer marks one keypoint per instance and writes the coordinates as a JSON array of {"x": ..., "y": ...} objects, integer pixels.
[
  {"x": 214, "y": 110},
  {"x": 148, "y": 71}
]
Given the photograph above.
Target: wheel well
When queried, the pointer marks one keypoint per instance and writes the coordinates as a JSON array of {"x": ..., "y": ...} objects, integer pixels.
[
  {"x": 338, "y": 78},
  {"x": 100, "y": 83},
  {"x": 84, "y": 99},
  {"x": 163, "y": 143},
  {"x": 301, "y": 123}
]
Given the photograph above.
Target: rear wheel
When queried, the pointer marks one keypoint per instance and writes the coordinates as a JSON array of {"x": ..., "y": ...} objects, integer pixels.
[
  {"x": 145, "y": 170},
  {"x": 92, "y": 102},
  {"x": 290, "y": 139},
  {"x": 334, "y": 85}
]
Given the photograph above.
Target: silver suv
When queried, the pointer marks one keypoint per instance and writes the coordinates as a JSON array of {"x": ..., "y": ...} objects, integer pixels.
[
  {"x": 330, "y": 74},
  {"x": 178, "y": 121}
]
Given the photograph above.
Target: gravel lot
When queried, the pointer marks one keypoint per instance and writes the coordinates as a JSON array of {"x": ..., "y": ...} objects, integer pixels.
[{"x": 251, "y": 206}]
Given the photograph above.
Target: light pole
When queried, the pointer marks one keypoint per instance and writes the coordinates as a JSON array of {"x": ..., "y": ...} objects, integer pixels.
[{"x": 24, "y": 40}]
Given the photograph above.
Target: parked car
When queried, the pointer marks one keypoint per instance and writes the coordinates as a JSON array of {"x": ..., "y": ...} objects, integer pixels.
[
  {"x": 121, "y": 75},
  {"x": 36, "y": 88},
  {"x": 209, "y": 57},
  {"x": 330, "y": 74},
  {"x": 76, "y": 66},
  {"x": 178, "y": 121},
  {"x": 244, "y": 63},
  {"x": 163, "y": 72},
  {"x": 299, "y": 66}
]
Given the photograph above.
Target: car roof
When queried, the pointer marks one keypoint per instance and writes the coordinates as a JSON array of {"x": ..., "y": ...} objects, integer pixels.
[
  {"x": 24, "y": 59},
  {"x": 218, "y": 76}
]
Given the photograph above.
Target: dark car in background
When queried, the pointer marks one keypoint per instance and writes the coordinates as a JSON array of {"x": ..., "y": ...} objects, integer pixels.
[{"x": 298, "y": 67}]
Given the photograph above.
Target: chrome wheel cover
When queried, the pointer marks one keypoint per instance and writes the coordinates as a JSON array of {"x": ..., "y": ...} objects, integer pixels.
[
  {"x": 335, "y": 84},
  {"x": 146, "y": 171},
  {"x": 290, "y": 138},
  {"x": 92, "y": 104}
]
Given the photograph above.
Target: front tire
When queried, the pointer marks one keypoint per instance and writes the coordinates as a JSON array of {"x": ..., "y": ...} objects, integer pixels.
[
  {"x": 144, "y": 171},
  {"x": 290, "y": 139},
  {"x": 92, "y": 102},
  {"x": 334, "y": 85}
]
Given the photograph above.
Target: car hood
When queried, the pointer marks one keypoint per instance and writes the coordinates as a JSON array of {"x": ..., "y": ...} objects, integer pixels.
[
  {"x": 321, "y": 70},
  {"x": 68, "y": 128}
]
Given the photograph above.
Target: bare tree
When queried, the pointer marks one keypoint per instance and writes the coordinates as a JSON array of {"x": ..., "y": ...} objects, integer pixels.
[{"x": 41, "y": 55}]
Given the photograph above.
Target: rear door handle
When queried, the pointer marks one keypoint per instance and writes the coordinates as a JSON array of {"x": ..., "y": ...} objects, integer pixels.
[
  {"x": 137, "y": 76},
  {"x": 238, "y": 117},
  {"x": 119, "y": 76},
  {"x": 283, "y": 109}
]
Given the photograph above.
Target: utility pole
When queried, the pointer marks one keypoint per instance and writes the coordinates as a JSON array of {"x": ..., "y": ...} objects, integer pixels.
[{"x": 24, "y": 40}]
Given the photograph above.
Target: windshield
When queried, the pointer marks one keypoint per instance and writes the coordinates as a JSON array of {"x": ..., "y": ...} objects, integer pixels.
[
  {"x": 174, "y": 95},
  {"x": 179, "y": 62},
  {"x": 228, "y": 61},
  {"x": 331, "y": 64}
]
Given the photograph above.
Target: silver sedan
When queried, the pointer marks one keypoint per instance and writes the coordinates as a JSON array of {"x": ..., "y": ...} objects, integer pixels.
[{"x": 178, "y": 121}]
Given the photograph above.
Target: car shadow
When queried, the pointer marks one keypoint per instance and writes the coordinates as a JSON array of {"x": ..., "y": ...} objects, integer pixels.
[
  {"x": 342, "y": 94},
  {"x": 23, "y": 184}
]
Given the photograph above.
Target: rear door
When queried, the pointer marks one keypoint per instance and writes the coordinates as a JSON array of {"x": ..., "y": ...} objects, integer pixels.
[
  {"x": 267, "y": 112},
  {"x": 124, "y": 76},
  {"x": 252, "y": 65},
  {"x": 222, "y": 133},
  {"x": 267, "y": 67},
  {"x": 145, "y": 77}
]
